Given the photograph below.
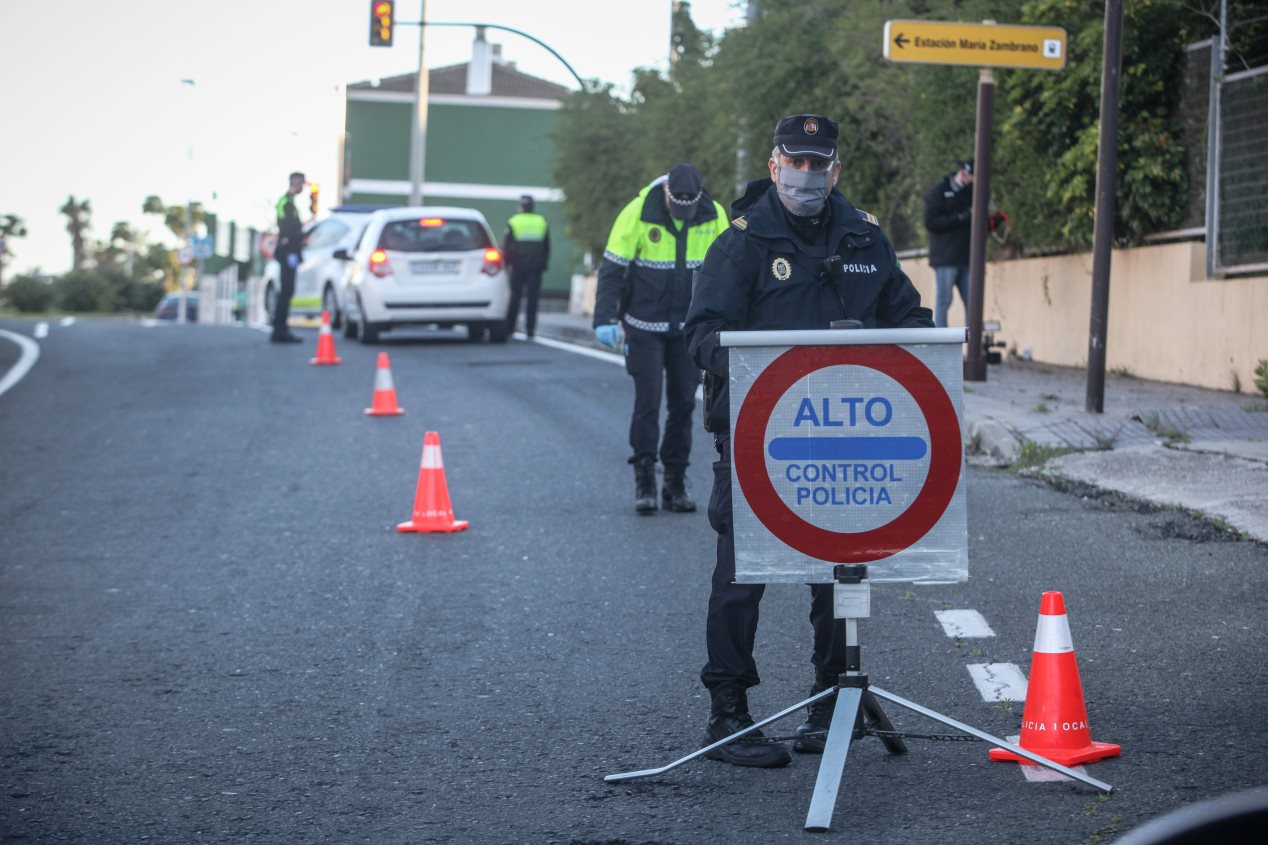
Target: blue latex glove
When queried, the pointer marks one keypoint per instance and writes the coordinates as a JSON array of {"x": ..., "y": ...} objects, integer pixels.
[
  {"x": 292, "y": 261},
  {"x": 609, "y": 335}
]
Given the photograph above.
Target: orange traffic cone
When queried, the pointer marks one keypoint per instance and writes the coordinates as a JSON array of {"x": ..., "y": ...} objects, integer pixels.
[
  {"x": 384, "y": 404},
  {"x": 325, "y": 343},
  {"x": 432, "y": 509},
  {"x": 1054, "y": 723}
]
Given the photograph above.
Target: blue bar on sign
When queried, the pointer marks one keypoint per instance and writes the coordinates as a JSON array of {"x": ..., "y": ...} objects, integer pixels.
[{"x": 848, "y": 448}]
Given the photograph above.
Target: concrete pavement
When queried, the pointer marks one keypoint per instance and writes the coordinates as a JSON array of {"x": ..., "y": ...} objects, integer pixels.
[{"x": 1170, "y": 445}]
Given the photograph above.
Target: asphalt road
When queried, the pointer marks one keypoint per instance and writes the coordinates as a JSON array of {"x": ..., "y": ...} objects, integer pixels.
[{"x": 211, "y": 632}]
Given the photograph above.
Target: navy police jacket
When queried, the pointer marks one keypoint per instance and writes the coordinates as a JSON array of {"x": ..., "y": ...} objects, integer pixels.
[{"x": 760, "y": 275}]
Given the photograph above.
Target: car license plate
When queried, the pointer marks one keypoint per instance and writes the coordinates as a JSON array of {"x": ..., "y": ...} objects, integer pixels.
[{"x": 435, "y": 266}]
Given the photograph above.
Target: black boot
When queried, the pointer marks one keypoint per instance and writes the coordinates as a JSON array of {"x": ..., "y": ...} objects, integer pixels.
[
  {"x": 674, "y": 493},
  {"x": 728, "y": 714},
  {"x": 644, "y": 484},
  {"x": 813, "y": 733}
]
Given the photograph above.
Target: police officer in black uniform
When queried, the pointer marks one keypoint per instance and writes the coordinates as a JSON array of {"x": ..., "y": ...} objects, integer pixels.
[
  {"x": 288, "y": 252},
  {"x": 798, "y": 255},
  {"x": 526, "y": 247}
]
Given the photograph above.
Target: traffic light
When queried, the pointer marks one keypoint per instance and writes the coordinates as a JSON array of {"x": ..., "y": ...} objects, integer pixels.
[
  {"x": 382, "y": 22},
  {"x": 313, "y": 190}
]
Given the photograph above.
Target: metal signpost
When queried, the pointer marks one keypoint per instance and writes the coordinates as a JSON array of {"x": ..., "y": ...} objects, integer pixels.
[
  {"x": 849, "y": 469},
  {"x": 987, "y": 46}
]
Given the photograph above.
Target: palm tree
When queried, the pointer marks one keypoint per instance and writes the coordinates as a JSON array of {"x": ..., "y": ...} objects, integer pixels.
[
  {"x": 77, "y": 216},
  {"x": 11, "y": 226},
  {"x": 174, "y": 215}
]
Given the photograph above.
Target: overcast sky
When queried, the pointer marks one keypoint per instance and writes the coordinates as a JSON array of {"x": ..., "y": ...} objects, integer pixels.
[{"x": 94, "y": 103}]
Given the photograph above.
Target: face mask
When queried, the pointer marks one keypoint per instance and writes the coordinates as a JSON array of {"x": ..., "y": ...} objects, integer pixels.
[
  {"x": 680, "y": 210},
  {"x": 803, "y": 192}
]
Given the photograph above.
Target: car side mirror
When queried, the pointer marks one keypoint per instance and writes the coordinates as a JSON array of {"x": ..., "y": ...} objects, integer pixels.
[{"x": 341, "y": 254}]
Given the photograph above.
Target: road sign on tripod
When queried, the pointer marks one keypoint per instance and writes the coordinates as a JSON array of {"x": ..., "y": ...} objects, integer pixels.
[{"x": 846, "y": 448}]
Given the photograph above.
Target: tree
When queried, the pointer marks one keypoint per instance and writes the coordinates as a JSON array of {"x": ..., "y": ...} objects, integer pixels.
[
  {"x": 78, "y": 215},
  {"x": 11, "y": 226},
  {"x": 598, "y": 165},
  {"x": 174, "y": 215},
  {"x": 118, "y": 253},
  {"x": 1047, "y": 140}
]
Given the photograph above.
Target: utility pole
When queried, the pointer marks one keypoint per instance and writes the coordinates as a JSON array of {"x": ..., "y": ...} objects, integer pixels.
[
  {"x": 975, "y": 358},
  {"x": 1106, "y": 165},
  {"x": 418, "y": 139}
]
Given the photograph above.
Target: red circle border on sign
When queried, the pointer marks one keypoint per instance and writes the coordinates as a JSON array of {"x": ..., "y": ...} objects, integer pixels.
[{"x": 899, "y": 533}]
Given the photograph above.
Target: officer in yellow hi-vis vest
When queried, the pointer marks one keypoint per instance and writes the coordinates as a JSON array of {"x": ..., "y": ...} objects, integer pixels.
[
  {"x": 657, "y": 242},
  {"x": 526, "y": 248}
]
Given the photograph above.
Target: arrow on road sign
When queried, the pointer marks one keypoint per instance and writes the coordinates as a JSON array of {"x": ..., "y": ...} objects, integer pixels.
[{"x": 901, "y": 40}]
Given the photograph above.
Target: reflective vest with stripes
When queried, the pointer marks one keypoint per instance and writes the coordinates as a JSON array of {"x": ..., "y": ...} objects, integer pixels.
[{"x": 645, "y": 277}]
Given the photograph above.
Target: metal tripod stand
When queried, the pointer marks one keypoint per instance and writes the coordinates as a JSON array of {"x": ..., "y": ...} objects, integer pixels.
[{"x": 856, "y": 707}]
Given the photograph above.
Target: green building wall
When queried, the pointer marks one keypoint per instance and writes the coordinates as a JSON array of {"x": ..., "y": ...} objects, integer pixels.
[{"x": 482, "y": 146}]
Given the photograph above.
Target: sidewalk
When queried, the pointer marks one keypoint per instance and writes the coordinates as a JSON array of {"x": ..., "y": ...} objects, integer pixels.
[{"x": 1171, "y": 445}]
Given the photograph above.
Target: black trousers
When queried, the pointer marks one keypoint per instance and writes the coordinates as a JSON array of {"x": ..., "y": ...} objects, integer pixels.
[
  {"x": 731, "y": 626},
  {"x": 660, "y": 363},
  {"x": 526, "y": 285},
  {"x": 286, "y": 289}
]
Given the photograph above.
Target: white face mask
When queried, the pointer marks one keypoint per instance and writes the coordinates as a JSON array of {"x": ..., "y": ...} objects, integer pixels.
[{"x": 803, "y": 192}]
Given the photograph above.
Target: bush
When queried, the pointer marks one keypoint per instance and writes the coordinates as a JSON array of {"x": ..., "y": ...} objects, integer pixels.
[
  {"x": 1261, "y": 376},
  {"x": 85, "y": 291},
  {"x": 28, "y": 294},
  {"x": 135, "y": 294}
]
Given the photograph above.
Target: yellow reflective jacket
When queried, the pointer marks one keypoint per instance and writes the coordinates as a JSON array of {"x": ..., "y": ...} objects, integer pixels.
[{"x": 645, "y": 277}]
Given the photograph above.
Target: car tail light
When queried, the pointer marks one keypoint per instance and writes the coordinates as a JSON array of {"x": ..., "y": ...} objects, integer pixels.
[
  {"x": 431, "y": 222},
  {"x": 379, "y": 265},
  {"x": 492, "y": 262}
]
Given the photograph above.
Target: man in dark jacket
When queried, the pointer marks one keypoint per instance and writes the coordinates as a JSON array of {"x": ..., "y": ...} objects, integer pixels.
[
  {"x": 798, "y": 255},
  {"x": 526, "y": 248},
  {"x": 658, "y": 239},
  {"x": 288, "y": 252},
  {"x": 948, "y": 217}
]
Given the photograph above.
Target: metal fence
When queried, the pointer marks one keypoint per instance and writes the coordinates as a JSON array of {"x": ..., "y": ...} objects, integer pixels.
[{"x": 1239, "y": 227}]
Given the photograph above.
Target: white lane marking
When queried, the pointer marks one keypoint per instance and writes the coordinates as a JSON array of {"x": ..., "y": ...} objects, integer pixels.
[
  {"x": 41, "y": 330},
  {"x": 1042, "y": 774},
  {"x": 610, "y": 357},
  {"x": 67, "y": 321},
  {"x": 999, "y": 681},
  {"x": 30, "y": 354},
  {"x": 964, "y": 623}
]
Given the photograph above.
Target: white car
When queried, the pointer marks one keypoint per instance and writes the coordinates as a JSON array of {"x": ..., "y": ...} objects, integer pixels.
[
  {"x": 427, "y": 266},
  {"x": 319, "y": 277}
]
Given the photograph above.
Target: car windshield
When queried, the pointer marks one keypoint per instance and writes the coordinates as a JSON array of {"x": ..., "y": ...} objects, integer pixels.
[{"x": 433, "y": 234}]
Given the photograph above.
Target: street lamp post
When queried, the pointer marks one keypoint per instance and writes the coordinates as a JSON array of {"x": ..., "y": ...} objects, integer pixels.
[
  {"x": 418, "y": 138},
  {"x": 181, "y": 313}
]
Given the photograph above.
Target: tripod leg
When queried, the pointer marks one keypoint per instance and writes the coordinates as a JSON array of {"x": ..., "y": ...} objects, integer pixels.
[
  {"x": 832, "y": 766},
  {"x": 645, "y": 773},
  {"x": 877, "y": 717},
  {"x": 993, "y": 740}
]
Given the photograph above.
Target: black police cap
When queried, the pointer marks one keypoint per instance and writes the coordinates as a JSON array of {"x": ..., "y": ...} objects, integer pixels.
[
  {"x": 806, "y": 134},
  {"x": 685, "y": 179}
]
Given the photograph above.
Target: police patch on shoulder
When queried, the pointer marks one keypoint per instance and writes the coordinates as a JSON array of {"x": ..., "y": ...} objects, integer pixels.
[
  {"x": 870, "y": 218},
  {"x": 654, "y": 235},
  {"x": 740, "y": 223},
  {"x": 781, "y": 269}
]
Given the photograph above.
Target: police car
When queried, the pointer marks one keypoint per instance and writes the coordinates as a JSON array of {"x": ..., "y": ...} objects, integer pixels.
[
  {"x": 319, "y": 277},
  {"x": 426, "y": 266}
]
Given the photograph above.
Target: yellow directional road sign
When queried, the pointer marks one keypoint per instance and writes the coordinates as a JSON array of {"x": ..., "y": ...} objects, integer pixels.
[{"x": 976, "y": 44}]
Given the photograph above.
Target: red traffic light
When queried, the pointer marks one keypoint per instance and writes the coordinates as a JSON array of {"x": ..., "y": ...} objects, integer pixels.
[{"x": 382, "y": 22}]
